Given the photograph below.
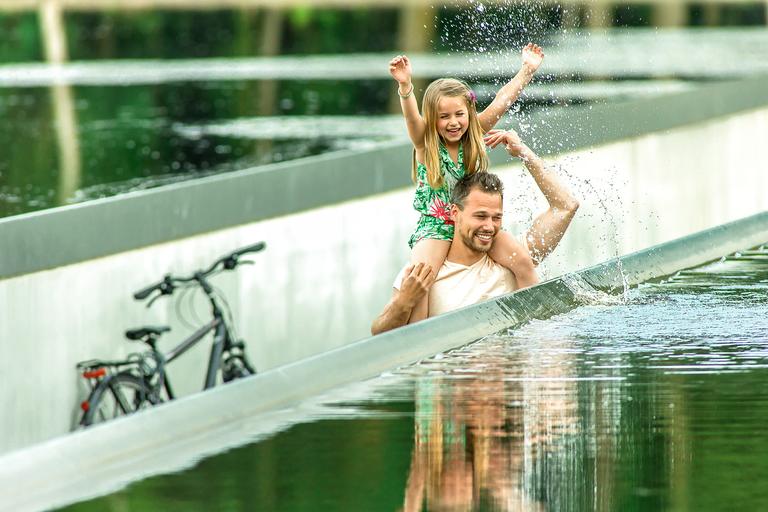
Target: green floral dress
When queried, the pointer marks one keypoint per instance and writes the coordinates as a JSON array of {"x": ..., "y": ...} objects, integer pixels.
[{"x": 435, "y": 204}]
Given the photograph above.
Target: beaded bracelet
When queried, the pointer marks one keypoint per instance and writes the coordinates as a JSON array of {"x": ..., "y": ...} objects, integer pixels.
[{"x": 406, "y": 95}]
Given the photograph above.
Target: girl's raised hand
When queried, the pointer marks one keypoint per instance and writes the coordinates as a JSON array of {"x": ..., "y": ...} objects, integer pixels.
[
  {"x": 400, "y": 69},
  {"x": 533, "y": 56}
]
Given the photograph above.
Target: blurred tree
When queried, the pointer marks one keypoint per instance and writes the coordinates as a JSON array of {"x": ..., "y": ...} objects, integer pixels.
[
  {"x": 21, "y": 41},
  {"x": 740, "y": 15},
  {"x": 340, "y": 31},
  {"x": 631, "y": 15}
]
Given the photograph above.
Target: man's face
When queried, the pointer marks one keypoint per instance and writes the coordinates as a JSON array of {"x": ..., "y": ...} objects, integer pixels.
[{"x": 480, "y": 220}]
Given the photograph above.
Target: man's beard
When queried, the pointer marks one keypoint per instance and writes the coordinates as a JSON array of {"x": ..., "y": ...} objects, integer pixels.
[{"x": 471, "y": 242}]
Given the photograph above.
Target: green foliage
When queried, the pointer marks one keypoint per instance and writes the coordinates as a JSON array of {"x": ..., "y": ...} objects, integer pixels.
[
  {"x": 728, "y": 15},
  {"x": 225, "y": 33},
  {"x": 631, "y": 15},
  {"x": 154, "y": 34},
  {"x": 740, "y": 15},
  {"x": 300, "y": 17},
  {"x": 340, "y": 31},
  {"x": 21, "y": 41}
]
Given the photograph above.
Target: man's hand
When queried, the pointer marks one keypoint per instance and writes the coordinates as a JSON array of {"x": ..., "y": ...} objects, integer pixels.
[
  {"x": 533, "y": 56},
  {"x": 417, "y": 280},
  {"x": 511, "y": 140}
]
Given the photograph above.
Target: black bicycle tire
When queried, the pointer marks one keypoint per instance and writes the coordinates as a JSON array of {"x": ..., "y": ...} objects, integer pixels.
[{"x": 122, "y": 381}]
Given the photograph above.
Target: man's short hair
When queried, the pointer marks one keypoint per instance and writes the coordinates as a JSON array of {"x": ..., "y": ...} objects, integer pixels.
[{"x": 483, "y": 181}]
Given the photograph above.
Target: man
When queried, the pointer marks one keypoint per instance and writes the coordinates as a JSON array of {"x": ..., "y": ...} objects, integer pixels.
[{"x": 469, "y": 275}]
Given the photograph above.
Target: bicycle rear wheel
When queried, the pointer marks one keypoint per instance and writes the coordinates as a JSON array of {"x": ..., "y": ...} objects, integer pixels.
[{"x": 117, "y": 395}]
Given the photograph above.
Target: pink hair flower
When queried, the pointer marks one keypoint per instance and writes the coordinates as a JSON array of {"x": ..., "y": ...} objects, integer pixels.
[{"x": 472, "y": 96}]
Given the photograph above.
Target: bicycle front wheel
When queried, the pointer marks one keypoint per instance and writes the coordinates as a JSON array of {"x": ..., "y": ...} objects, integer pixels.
[{"x": 117, "y": 395}]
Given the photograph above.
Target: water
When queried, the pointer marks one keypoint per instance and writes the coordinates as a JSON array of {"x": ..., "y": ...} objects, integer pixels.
[
  {"x": 98, "y": 128},
  {"x": 138, "y": 136},
  {"x": 134, "y": 137},
  {"x": 659, "y": 403}
]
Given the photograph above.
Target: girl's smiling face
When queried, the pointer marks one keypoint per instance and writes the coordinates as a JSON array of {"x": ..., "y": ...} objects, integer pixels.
[{"x": 452, "y": 118}]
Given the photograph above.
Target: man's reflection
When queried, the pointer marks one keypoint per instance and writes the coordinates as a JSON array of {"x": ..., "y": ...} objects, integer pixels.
[{"x": 490, "y": 434}]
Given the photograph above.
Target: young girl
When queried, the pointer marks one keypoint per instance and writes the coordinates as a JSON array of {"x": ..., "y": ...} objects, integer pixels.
[{"x": 448, "y": 143}]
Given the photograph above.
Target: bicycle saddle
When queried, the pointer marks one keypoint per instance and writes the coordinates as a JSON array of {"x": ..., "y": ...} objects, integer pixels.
[{"x": 144, "y": 332}]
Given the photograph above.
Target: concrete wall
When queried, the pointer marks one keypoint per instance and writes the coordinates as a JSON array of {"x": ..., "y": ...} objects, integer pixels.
[{"x": 327, "y": 271}]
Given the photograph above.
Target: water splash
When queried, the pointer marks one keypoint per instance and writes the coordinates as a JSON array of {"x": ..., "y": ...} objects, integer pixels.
[{"x": 585, "y": 294}]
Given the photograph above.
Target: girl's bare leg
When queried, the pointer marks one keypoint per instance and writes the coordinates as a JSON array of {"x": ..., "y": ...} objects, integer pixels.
[
  {"x": 509, "y": 252},
  {"x": 431, "y": 252}
]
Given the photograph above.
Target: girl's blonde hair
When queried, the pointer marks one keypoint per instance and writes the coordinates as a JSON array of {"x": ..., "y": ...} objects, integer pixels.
[{"x": 475, "y": 158}]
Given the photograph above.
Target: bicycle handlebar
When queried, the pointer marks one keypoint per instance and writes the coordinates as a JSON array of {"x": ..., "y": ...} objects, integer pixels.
[
  {"x": 144, "y": 293},
  {"x": 229, "y": 262}
]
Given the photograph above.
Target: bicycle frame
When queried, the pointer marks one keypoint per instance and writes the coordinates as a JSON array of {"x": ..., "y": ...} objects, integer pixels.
[
  {"x": 221, "y": 342},
  {"x": 119, "y": 397}
]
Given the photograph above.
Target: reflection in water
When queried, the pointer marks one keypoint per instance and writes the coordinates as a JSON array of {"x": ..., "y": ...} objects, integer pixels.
[
  {"x": 481, "y": 433},
  {"x": 94, "y": 142},
  {"x": 633, "y": 406},
  {"x": 65, "y": 125},
  {"x": 498, "y": 428},
  {"x": 62, "y": 97}
]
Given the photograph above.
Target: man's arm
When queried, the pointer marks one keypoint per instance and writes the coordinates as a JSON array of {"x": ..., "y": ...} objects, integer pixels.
[
  {"x": 549, "y": 227},
  {"x": 416, "y": 283}
]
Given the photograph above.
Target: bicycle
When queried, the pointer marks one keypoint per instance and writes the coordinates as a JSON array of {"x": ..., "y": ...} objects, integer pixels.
[{"x": 119, "y": 388}]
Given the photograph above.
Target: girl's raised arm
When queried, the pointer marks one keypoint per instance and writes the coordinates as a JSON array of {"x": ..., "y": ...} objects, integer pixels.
[
  {"x": 533, "y": 55},
  {"x": 400, "y": 69}
]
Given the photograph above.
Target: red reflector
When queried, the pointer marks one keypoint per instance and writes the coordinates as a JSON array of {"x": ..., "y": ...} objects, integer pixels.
[
  {"x": 93, "y": 374},
  {"x": 84, "y": 405}
]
